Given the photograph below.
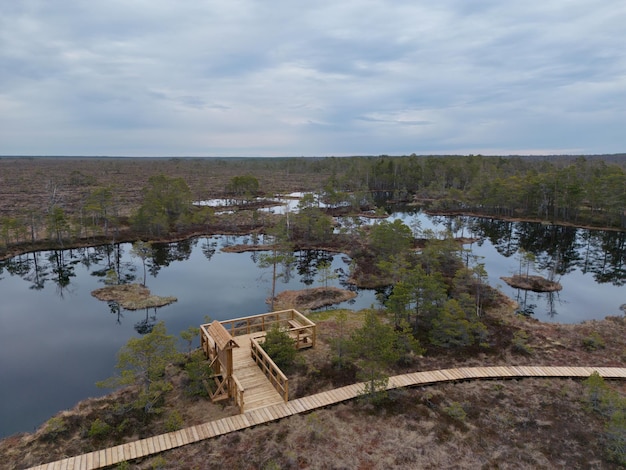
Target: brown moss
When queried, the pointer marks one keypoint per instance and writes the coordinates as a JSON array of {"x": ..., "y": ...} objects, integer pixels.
[
  {"x": 533, "y": 283},
  {"x": 132, "y": 296},
  {"x": 310, "y": 299}
]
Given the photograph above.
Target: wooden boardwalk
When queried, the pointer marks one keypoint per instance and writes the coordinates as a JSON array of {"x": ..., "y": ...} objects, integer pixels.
[
  {"x": 258, "y": 391},
  {"x": 254, "y": 417}
]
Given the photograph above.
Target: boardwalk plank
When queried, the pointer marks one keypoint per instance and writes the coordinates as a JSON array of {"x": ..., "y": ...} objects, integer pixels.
[
  {"x": 291, "y": 408},
  {"x": 88, "y": 460},
  {"x": 335, "y": 396},
  {"x": 131, "y": 451},
  {"x": 589, "y": 370},
  {"x": 253, "y": 417},
  {"x": 267, "y": 414},
  {"x": 297, "y": 405},
  {"x": 307, "y": 403},
  {"x": 227, "y": 423},
  {"x": 153, "y": 443},
  {"x": 326, "y": 399},
  {"x": 204, "y": 431},
  {"x": 181, "y": 437},
  {"x": 100, "y": 458},
  {"x": 235, "y": 423},
  {"x": 271, "y": 412},
  {"x": 115, "y": 452},
  {"x": 109, "y": 456},
  {"x": 245, "y": 419},
  {"x": 175, "y": 438},
  {"x": 213, "y": 429},
  {"x": 162, "y": 445},
  {"x": 280, "y": 411},
  {"x": 503, "y": 371},
  {"x": 219, "y": 430},
  {"x": 221, "y": 425},
  {"x": 263, "y": 415},
  {"x": 315, "y": 401}
]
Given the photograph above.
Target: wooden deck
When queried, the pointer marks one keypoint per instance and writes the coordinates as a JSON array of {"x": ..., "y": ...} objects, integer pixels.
[
  {"x": 258, "y": 391},
  {"x": 232, "y": 348},
  {"x": 274, "y": 412}
]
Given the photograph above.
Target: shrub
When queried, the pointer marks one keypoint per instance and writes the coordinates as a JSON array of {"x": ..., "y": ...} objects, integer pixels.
[
  {"x": 612, "y": 407},
  {"x": 198, "y": 373},
  {"x": 615, "y": 437},
  {"x": 280, "y": 347},
  {"x": 455, "y": 410},
  {"x": 99, "y": 429},
  {"x": 55, "y": 427},
  {"x": 174, "y": 421},
  {"x": 520, "y": 342},
  {"x": 455, "y": 327},
  {"x": 158, "y": 462},
  {"x": 142, "y": 361},
  {"x": 593, "y": 342}
]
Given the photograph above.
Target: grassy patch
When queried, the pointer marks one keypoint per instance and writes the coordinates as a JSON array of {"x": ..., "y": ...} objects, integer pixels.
[{"x": 132, "y": 296}]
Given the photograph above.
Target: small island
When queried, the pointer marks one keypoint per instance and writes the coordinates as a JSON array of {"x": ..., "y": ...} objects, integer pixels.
[
  {"x": 310, "y": 299},
  {"x": 132, "y": 296},
  {"x": 533, "y": 283}
]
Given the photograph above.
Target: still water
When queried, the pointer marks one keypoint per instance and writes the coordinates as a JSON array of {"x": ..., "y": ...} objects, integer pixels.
[{"x": 56, "y": 340}]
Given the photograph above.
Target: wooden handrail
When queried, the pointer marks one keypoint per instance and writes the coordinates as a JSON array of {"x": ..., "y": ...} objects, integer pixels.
[
  {"x": 263, "y": 322},
  {"x": 270, "y": 369},
  {"x": 237, "y": 392},
  {"x": 206, "y": 342}
]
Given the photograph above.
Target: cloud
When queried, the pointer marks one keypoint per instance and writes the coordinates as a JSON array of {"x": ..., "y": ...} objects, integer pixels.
[{"x": 172, "y": 77}]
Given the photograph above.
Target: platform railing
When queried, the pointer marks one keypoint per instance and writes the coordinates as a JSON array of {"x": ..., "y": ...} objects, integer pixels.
[
  {"x": 300, "y": 327},
  {"x": 270, "y": 369}
]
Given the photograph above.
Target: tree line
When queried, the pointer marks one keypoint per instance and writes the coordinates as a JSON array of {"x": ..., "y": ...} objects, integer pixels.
[{"x": 582, "y": 191}]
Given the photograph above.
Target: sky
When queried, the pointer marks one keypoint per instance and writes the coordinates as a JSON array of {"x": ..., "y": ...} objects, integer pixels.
[{"x": 320, "y": 78}]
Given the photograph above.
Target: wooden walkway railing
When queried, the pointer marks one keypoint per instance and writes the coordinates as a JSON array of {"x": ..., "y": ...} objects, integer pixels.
[
  {"x": 302, "y": 329},
  {"x": 163, "y": 442},
  {"x": 269, "y": 369}
]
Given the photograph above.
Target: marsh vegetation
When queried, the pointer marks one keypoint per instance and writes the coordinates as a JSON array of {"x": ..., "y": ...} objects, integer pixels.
[{"x": 434, "y": 303}]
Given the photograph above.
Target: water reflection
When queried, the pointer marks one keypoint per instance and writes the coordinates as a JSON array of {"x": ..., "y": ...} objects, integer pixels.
[
  {"x": 529, "y": 302},
  {"x": 558, "y": 249},
  {"x": 73, "y": 337},
  {"x": 164, "y": 254},
  {"x": 146, "y": 325}
]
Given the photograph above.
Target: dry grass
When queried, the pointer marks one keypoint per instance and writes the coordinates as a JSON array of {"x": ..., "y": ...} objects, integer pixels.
[
  {"x": 313, "y": 298},
  {"x": 517, "y": 425}
]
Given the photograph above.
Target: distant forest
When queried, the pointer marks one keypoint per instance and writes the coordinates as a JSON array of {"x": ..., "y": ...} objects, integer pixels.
[
  {"x": 577, "y": 190},
  {"x": 65, "y": 199}
]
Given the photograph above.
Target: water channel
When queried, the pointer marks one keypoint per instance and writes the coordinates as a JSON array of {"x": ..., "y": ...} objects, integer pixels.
[{"x": 56, "y": 340}]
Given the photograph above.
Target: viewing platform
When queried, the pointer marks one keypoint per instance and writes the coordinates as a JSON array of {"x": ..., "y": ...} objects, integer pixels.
[{"x": 242, "y": 370}]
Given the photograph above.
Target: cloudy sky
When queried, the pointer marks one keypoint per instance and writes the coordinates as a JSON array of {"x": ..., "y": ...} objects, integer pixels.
[{"x": 291, "y": 78}]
